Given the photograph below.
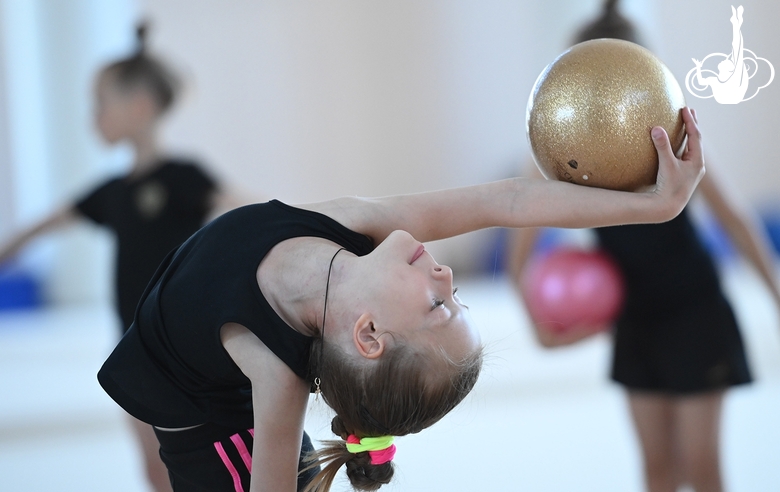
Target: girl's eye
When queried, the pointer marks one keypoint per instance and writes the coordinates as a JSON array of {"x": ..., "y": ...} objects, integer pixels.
[
  {"x": 440, "y": 302},
  {"x": 455, "y": 295}
]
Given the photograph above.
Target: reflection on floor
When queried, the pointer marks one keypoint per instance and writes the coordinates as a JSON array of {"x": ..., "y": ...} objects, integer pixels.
[{"x": 538, "y": 420}]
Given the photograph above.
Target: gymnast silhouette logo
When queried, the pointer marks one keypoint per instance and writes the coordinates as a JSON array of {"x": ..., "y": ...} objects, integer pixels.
[{"x": 735, "y": 70}]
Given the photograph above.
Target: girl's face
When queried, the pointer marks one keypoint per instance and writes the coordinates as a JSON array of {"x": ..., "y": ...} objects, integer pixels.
[
  {"x": 121, "y": 113},
  {"x": 417, "y": 299}
]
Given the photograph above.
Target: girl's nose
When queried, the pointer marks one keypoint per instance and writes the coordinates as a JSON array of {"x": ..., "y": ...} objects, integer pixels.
[{"x": 442, "y": 272}]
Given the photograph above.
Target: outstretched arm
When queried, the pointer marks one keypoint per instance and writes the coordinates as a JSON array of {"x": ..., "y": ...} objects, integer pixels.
[
  {"x": 59, "y": 218},
  {"x": 522, "y": 202}
]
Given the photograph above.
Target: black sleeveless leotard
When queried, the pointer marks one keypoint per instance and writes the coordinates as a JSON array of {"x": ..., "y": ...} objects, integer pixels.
[
  {"x": 170, "y": 369},
  {"x": 677, "y": 333}
]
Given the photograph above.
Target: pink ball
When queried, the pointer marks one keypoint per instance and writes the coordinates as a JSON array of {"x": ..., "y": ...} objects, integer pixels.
[{"x": 571, "y": 287}]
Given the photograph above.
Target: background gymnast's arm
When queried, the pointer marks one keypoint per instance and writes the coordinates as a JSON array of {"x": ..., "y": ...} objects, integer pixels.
[
  {"x": 520, "y": 249},
  {"x": 60, "y": 218},
  {"x": 743, "y": 229}
]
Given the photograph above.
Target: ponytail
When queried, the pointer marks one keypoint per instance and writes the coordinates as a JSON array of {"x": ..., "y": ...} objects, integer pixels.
[
  {"x": 611, "y": 24},
  {"x": 362, "y": 473},
  {"x": 405, "y": 392}
]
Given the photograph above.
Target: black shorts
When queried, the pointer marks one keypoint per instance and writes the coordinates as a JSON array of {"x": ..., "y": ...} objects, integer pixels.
[
  {"x": 212, "y": 458},
  {"x": 692, "y": 350}
]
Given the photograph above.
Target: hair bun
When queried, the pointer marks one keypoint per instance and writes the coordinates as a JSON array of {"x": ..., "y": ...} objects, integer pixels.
[
  {"x": 141, "y": 35},
  {"x": 365, "y": 476},
  {"x": 337, "y": 427},
  {"x": 610, "y": 24}
]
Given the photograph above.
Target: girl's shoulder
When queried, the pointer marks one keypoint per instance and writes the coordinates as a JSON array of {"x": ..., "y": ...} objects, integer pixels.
[{"x": 189, "y": 173}]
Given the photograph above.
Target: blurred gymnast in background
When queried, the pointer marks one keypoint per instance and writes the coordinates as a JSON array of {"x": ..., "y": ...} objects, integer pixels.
[
  {"x": 677, "y": 347},
  {"x": 152, "y": 208}
]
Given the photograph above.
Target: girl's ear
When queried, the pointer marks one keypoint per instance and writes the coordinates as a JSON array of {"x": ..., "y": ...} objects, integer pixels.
[{"x": 367, "y": 340}]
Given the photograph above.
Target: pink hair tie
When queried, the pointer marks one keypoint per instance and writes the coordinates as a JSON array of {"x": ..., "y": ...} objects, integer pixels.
[
  {"x": 380, "y": 449},
  {"x": 382, "y": 457}
]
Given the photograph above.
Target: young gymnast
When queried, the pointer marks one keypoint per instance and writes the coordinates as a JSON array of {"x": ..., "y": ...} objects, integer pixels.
[
  {"x": 151, "y": 209},
  {"x": 269, "y": 302},
  {"x": 677, "y": 346}
]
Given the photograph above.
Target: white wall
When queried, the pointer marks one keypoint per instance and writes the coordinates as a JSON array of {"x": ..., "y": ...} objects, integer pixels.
[
  {"x": 741, "y": 139},
  {"x": 309, "y": 100}
]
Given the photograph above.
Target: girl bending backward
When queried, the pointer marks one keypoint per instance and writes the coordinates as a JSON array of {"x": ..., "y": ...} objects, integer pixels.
[{"x": 270, "y": 302}]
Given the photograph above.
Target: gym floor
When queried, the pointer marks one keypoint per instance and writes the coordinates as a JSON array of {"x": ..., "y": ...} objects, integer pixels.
[{"x": 538, "y": 420}]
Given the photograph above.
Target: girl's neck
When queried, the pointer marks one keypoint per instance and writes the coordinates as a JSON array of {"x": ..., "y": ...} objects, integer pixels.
[
  {"x": 293, "y": 278},
  {"x": 147, "y": 153}
]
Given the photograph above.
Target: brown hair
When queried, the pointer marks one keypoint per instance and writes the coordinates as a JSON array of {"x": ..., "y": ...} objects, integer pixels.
[
  {"x": 142, "y": 70},
  {"x": 611, "y": 24},
  {"x": 401, "y": 395}
]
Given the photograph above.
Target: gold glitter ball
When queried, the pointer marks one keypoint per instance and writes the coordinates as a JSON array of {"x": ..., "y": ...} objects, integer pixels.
[{"x": 591, "y": 111}]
